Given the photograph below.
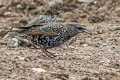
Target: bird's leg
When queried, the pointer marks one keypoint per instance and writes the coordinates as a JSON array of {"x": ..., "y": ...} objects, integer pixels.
[
  {"x": 49, "y": 54},
  {"x": 44, "y": 51}
]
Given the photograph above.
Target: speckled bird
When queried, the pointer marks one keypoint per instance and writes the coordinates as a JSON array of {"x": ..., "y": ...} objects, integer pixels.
[{"x": 50, "y": 35}]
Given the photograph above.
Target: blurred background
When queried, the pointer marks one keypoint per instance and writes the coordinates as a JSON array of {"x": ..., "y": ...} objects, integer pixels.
[
  {"x": 20, "y": 12},
  {"x": 88, "y": 57}
]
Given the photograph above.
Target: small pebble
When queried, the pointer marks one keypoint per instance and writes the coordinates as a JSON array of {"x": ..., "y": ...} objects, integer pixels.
[
  {"x": 113, "y": 28},
  {"x": 39, "y": 70},
  {"x": 71, "y": 47},
  {"x": 20, "y": 57},
  {"x": 50, "y": 3},
  {"x": 19, "y": 6},
  {"x": 79, "y": 78},
  {"x": 56, "y": 58},
  {"x": 84, "y": 44},
  {"x": 84, "y": 1},
  {"x": 15, "y": 42},
  {"x": 7, "y": 13},
  {"x": 55, "y": 2},
  {"x": 64, "y": 46}
]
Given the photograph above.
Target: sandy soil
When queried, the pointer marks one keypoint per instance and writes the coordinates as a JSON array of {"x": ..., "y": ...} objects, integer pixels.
[{"x": 88, "y": 57}]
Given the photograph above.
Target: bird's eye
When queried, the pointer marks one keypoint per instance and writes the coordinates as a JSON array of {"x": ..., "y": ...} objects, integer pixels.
[{"x": 80, "y": 28}]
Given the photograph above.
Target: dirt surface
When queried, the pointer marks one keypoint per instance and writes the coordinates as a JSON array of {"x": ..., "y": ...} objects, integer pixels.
[{"x": 88, "y": 57}]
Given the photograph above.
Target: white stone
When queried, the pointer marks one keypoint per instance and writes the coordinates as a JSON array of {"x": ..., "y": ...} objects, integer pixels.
[
  {"x": 71, "y": 47},
  {"x": 15, "y": 42},
  {"x": 20, "y": 57},
  {"x": 39, "y": 70},
  {"x": 84, "y": 45}
]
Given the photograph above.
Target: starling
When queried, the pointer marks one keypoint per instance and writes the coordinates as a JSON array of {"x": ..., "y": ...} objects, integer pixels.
[{"x": 49, "y": 35}]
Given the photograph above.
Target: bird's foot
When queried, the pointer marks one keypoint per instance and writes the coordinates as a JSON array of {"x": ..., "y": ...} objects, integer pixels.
[{"x": 51, "y": 55}]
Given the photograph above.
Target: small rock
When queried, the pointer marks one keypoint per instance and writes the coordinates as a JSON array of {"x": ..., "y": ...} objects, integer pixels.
[
  {"x": 7, "y": 13},
  {"x": 15, "y": 42},
  {"x": 19, "y": 6},
  {"x": 104, "y": 44},
  {"x": 64, "y": 46},
  {"x": 51, "y": 3},
  {"x": 54, "y": 2},
  {"x": 79, "y": 78},
  {"x": 5, "y": 36},
  {"x": 101, "y": 9},
  {"x": 20, "y": 57},
  {"x": 71, "y": 47},
  {"x": 56, "y": 58},
  {"x": 83, "y": 44},
  {"x": 84, "y": 1},
  {"x": 74, "y": 78},
  {"x": 10, "y": 14},
  {"x": 39, "y": 70},
  {"x": 97, "y": 73},
  {"x": 113, "y": 28},
  {"x": 58, "y": 1},
  {"x": 117, "y": 9}
]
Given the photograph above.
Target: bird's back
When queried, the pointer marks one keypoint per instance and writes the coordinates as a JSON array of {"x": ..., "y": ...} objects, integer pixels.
[{"x": 41, "y": 19}]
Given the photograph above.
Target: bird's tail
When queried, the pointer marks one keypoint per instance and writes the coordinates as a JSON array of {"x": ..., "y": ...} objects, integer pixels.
[{"x": 16, "y": 32}]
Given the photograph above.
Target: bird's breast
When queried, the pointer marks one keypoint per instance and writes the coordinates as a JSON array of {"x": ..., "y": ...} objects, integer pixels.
[{"x": 47, "y": 41}]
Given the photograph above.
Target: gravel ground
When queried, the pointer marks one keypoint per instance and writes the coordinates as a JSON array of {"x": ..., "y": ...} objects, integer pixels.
[{"x": 87, "y": 57}]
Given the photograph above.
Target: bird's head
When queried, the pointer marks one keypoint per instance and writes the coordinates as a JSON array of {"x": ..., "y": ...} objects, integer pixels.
[
  {"x": 78, "y": 29},
  {"x": 81, "y": 29}
]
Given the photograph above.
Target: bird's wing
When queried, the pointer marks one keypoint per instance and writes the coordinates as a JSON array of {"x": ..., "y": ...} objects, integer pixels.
[
  {"x": 34, "y": 31},
  {"x": 40, "y": 31},
  {"x": 47, "y": 30},
  {"x": 50, "y": 29}
]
